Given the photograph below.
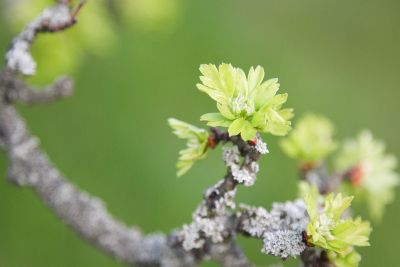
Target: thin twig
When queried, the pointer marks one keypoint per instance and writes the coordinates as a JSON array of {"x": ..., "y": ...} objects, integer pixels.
[{"x": 77, "y": 9}]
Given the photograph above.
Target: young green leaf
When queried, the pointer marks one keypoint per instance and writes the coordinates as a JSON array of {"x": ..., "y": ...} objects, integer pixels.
[
  {"x": 197, "y": 144},
  {"x": 328, "y": 230},
  {"x": 245, "y": 104},
  {"x": 311, "y": 140},
  {"x": 349, "y": 259}
]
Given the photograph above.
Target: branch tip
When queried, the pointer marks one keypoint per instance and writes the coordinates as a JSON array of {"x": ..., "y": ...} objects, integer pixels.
[{"x": 77, "y": 9}]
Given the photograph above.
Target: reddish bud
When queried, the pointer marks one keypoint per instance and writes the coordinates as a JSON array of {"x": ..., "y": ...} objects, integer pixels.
[
  {"x": 253, "y": 141},
  {"x": 307, "y": 166},
  {"x": 212, "y": 142},
  {"x": 356, "y": 175}
]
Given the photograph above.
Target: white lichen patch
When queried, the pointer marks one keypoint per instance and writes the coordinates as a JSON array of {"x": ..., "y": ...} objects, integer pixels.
[
  {"x": 245, "y": 175},
  {"x": 256, "y": 222},
  {"x": 56, "y": 15},
  {"x": 254, "y": 167},
  {"x": 190, "y": 237},
  {"x": 226, "y": 201},
  {"x": 261, "y": 146},
  {"x": 201, "y": 229},
  {"x": 223, "y": 201},
  {"x": 231, "y": 156},
  {"x": 283, "y": 243},
  {"x": 292, "y": 214},
  {"x": 280, "y": 229},
  {"x": 19, "y": 58}
]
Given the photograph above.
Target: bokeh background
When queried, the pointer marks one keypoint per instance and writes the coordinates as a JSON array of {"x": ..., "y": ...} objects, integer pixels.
[{"x": 336, "y": 58}]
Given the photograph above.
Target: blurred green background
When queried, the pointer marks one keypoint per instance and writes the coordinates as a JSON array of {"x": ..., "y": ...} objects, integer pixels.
[{"x": 337, "y": 58}]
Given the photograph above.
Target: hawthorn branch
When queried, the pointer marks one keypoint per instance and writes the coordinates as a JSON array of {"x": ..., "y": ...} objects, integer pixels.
[
  {"x": 53, "y": 19},
  {"x": 215, "y": 224}
]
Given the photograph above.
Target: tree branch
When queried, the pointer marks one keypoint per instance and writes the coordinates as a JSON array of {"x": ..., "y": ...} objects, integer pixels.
[
  {"x": 211, "y": 234},
  {"x": 53, "y": 19},
  {"x": 21, "y": 92}
]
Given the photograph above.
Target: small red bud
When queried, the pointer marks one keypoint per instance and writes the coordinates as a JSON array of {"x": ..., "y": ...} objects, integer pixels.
[
  {"x": 356, "y": 175},
  {"x": 212, "y": 142},
  {"x": 307, "y": 166},
  {"x": 253, "y": 141}
]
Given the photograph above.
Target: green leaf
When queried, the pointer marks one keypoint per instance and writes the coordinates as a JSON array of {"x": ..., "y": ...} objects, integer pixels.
[
  {"x": 225, "y": 111},
  {"x": 212, "y": 117},
  {"x": 353, "y": 232},
  {"x": 236, "y": 126},
  {"x": 183, "y": 167},
  {"x": 215, "y": 120},
  {"x": 228, "y": 78},
  {"x": 266, "y": 92},
  {"x": 255, "y": 77},
  {"x": 214, "y": 94},
  {"x": 348, "y": 259},
  {"x": 286, "y": 114},
  {"x": 311, "y": 140},
  {"x": 277, "y": 128},
  {"x": 259, "y": 120},
  {"x": 279, "y": 100},
  {"x": 311, "y": 200},
  {"x": 223, "y": 123},
  {"x": 240, "y": 97},
  {"x": 328, "y": 230},
  {"x": 248, "y": 132},
  {"x": 196, "y": 143},
  {"x": 210, "y": 76}
]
